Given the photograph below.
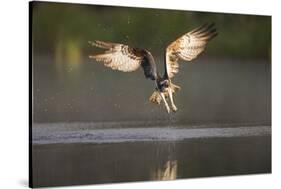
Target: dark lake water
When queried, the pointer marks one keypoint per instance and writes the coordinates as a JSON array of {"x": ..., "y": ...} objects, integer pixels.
[
  {"x": 94, "y": 125},
  {"x": 213, "y": 91},
  {"x": 85, "y": 153}
]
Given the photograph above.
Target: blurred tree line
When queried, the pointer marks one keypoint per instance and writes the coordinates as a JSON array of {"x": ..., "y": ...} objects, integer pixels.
[{"x": 59, "y": 27}]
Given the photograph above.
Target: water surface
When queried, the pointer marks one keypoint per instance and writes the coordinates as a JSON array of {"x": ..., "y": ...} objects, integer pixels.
[{"x": 78, "y": 155}]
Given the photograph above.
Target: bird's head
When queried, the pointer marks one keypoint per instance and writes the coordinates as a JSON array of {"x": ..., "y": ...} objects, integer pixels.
[{"x": 163, "y": 84}]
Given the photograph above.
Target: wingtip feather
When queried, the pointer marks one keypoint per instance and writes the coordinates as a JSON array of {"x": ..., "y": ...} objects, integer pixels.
[
  {"x": 206, "y": 32},
  {"x": 206, "y": 29},
  {"x": 101, "y": 44}
]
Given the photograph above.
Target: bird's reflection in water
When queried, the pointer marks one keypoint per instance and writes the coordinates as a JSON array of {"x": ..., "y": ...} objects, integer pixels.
[{"x": 168, "y": 171}]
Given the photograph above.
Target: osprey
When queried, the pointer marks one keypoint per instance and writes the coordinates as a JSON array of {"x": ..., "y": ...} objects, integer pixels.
[{"x": 127, "y": 59}]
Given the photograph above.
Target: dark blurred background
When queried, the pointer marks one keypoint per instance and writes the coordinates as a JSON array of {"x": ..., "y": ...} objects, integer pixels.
[{"x": 230, "y": 82}]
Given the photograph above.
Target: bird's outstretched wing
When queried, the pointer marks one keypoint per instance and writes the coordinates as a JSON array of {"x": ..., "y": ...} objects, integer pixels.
[
  {"x": 187, "y": 47},
  {"x": 124, "y": 58}
]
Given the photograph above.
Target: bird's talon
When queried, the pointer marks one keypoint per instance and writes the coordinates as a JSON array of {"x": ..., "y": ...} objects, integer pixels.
[
  {"x": 174, "y": 108},
  {"x": 168, "y": 110}
]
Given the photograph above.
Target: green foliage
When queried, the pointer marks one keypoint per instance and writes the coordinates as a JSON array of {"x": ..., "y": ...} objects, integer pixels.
[{"x": 240, "y": 36}]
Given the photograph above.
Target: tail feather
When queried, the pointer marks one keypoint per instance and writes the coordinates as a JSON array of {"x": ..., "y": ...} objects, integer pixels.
[
  {"x": 156, "y": 97},
  {"x": 174, "y": 87}
]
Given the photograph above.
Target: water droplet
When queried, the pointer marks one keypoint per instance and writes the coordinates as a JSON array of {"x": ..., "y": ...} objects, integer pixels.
[{"x": 129, "y": 20}]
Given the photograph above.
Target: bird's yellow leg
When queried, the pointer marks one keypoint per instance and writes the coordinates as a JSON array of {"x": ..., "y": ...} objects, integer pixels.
[
  {"x": 165, "y": 102},
  {"x": 174, "y": 108}
]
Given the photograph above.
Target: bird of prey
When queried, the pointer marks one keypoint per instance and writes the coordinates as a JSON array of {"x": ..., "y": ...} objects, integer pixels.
[{"x": 128, "y": 59}]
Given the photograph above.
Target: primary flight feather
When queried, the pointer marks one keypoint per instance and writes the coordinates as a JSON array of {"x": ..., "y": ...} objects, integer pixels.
[{"x": 128, "y": 59}]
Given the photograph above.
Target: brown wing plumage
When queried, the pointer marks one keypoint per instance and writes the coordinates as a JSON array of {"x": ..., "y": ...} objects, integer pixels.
[
  {"x": 124, "y": 58},
  {"x": 118, "y": 56},
  {"x": 187, "y": 47}
]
